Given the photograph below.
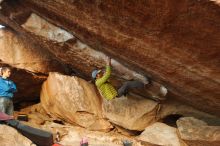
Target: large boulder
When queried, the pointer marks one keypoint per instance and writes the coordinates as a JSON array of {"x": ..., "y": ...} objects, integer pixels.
[
  {"x": 74, "y": 100},
  {"x": 10, "y": 137},
  {"x": 131, "y": 112},
  {"x": 198, "y": 133},
  {"x": 161, "y": 134}
]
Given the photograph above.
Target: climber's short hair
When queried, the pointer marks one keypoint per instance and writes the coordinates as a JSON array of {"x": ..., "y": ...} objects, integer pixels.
[{"x": 4, "y": 69}]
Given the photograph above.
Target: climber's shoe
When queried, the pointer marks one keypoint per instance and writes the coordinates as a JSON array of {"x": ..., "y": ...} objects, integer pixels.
[
  {"x": 146, "y": 81},
  {"x": 163, "y": 91},
  {"x": 162, "y": 94}
]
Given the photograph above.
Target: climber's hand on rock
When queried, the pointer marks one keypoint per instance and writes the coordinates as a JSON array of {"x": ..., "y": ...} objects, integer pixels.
[{"x": 109, "y": 61}]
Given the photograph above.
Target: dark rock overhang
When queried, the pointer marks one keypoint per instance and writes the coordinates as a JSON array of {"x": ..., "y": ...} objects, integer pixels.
[{"x": 176, "y": 43}]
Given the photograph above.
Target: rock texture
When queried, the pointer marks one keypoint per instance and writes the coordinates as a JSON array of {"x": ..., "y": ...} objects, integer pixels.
[
  {"x": 171, "y": 107},
  {"x": 130, "y": 112},
  {"x": 71, "y": 135},
  {"x": 10, "y": 136},
  {"x": 74, "y": 100},
  {"x": 30, "y": 64},
  {"x": 197, "y": 133},
  {"x": 20, "y": 54},
  {"x": 176, "y": 43},
  {"x": 0, "y": 3},
  {"x": 161, "y": 134},
  {"x": 42, "y": 28}
]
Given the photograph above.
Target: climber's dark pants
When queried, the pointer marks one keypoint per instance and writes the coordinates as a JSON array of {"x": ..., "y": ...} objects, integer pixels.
[{"x": 129, "y": 85}]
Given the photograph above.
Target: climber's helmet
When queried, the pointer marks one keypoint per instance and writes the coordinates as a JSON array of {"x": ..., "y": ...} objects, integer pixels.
[{"x": 95, "y": 72}]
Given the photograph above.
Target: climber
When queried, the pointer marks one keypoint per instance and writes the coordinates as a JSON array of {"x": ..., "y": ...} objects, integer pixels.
[
  {"x": 107, "y": 90},
  {"x": 7, "y": 88}
]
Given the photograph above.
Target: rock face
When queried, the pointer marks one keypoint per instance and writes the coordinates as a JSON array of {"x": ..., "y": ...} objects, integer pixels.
[
  {"x": 20, "y": 54},
  {"x": 31, "y": 64},
  {"x": 10, "y": 136},
  {"x": 197, "y": 133},
  {"x": 130, "y": 112},
  {"x": 71, "y": 135},
  {"x": 41, "y": 27},
  {"x": 161, "y": 134},
  {"x": 83, "y": 54},
  {"x": 171, "y": 107},
  {"x": 0, "y": 3},
  {"x": 74, "y": 100},
  {"x": 176, "y": 43}
]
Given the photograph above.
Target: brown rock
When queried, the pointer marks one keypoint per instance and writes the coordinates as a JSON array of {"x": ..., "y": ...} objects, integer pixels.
[
  {"x": 72, "y": 135},
  {"x": 166, "y": 40},
  {"x": 33, "y": 109},
  {"x": 197, "y": 133},
  {"x": 171, "y": 107},
  {"x": 0, "y": 3},
  {"x": 10, "y": 137},
  {"x": 19, "y": 54},
  {"x": 72, "y": 99},
  {"x": 125, "y": 132},
  {"x": 101, "y": 125},
  {"x": 30, "y": 65},
  {"x": 130, "y": 112},
  {"x": 160, "y": 134},
  {"x": 176, "y": 43},
  {"x": 41, "y": 27}
]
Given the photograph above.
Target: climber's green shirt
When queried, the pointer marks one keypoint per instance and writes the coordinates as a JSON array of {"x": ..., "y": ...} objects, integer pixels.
[{"x": 105, "y": 88}]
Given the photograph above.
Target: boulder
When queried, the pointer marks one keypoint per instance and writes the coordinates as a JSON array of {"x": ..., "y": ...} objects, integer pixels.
[
  {"x": 161, "y": 134},
  {"x": 132, "y": 113},
  {"x": 172, "y": 107},
  {"x": 73, "y": 100},
  {"x": 198, "y": 133},
  {"x": 10, "y": 137}
]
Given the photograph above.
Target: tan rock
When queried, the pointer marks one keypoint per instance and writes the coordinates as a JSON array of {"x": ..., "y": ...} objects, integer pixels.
[
  {"x": 20, "y": 54},
  {"x": 72, "y": 99},
  {"x": 158, "y": 38},
  {"x": 124, "y": 131},
  {"x": 43, "y": 28},
  {"x": 73, "y": 135},
  {"x": 29, "y": 60},
  {"x": 160, "y": 134},
  {"x": 10, "y": 137},
  {"x": 130, "y": 112},
  {"x": 101, "y": 125},
  {"x": 34, "y": 108},
  {"x": 172, "y": 107},
  {"x": 197, "y": 133}
]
